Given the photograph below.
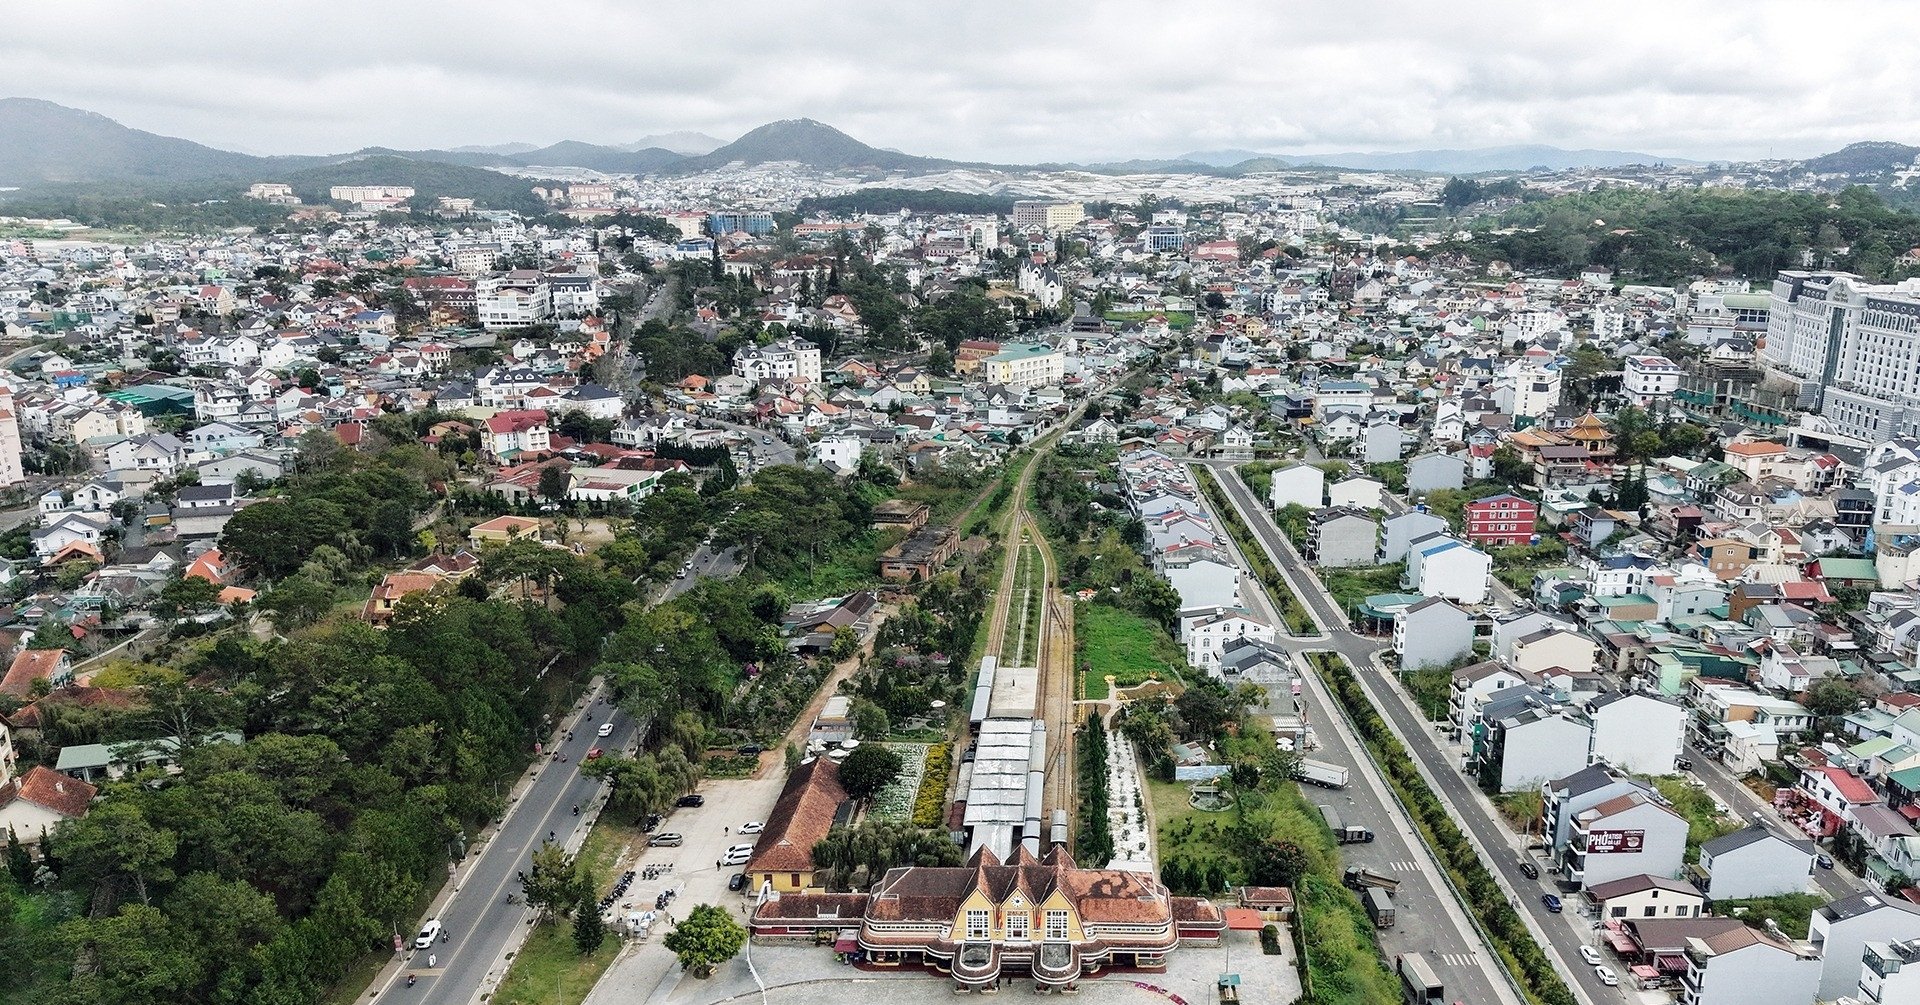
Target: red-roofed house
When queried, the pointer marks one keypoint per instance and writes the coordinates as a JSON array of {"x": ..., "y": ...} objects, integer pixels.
[
  {"x": 393, "y": 586},
  {"x": 39, "y": 800},
  {"x": 50, "y": 665},
  {"x": 518, "y": 431},
  {"x": 1833, "y": 794},
  {"x": 211, "y": 567}
]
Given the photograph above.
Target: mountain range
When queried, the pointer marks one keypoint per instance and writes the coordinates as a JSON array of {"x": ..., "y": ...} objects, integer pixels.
[
  {"x": 1474, "y": 161},
  {"x": 42, "y": 143}
]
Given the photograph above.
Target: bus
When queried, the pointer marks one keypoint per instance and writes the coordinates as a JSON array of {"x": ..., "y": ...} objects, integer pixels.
[{"x": 1418, "y": 985}]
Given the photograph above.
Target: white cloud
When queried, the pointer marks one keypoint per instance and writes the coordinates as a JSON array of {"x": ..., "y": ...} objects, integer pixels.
[{"x": 995, "y": 80}]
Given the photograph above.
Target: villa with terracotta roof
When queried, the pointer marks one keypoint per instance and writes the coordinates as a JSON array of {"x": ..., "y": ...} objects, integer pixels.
[
  {"x": 393, "y": 586},
  {"x": 39, "y": 800},
  {"x": 1047, "y": 919},
  {"x": 31, "y": 665}
]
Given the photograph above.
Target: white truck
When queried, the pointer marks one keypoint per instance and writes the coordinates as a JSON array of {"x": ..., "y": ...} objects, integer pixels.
[{"x": 1331, "y": 776}]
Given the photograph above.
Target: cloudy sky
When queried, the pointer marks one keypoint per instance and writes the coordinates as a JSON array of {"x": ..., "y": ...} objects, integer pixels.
[{"x": 989, "y": 80}]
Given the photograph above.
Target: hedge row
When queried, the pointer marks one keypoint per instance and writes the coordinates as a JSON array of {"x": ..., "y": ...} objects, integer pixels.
[
  {"x": 1294, "y": 613},
  {"x": 930, "y": 802},
  {"x": 1504, "y": 927}
]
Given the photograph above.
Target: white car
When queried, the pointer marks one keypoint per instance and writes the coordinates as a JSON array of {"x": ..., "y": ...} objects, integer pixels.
[
  {"x": 428, "y": 932},
  {"x": 606, "y": 729},
  {"x": 1607, "y": 976},
  {"x": 752, "y": 827},
  {"x": 1591, "y": 955}
]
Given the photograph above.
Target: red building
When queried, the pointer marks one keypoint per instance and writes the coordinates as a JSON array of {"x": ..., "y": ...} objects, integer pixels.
[{"x": 1501, "y": 519}]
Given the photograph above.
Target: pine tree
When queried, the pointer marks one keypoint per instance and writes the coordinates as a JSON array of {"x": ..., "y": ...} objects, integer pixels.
[
  {"x": 19, "y": 863},
  {"x": 589, "y": 931}
]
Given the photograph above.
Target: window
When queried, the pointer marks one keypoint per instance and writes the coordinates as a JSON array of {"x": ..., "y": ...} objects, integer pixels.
[
  {"x": 1056, "y": 924},
  {"x": 979, "y": 924},
  {"x": 1619, "y": 912},
  {"x": 1017, "y": 926},
  {"x": 1649, "y": 912}
]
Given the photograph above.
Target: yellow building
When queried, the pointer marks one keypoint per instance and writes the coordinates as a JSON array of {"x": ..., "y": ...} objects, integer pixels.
[{"x": 1046, "y": 918}]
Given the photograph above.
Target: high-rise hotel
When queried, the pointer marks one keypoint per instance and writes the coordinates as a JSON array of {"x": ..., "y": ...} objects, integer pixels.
[{"x": 1854, "y": 348}]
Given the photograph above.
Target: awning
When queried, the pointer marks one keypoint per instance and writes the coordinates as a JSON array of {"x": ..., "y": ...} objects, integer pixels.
[
  {"x": 1644, "y": 972},
  {"x": 1670, "y": 964},
  {"x": 846, "y": 945},
  {"x": 1623, "y": 943}
]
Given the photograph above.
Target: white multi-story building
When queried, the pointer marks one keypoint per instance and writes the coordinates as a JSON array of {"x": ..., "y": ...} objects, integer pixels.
[
  {"x": 515, "y": 300},
  {"x": 1890, "y": 972},
  {"x": 789, "y": 359},
  {"x": 1853, "y": 346},
  {"x": 1650, "y": 379},
  {"x": 1746, "y": 966},
  {"x": 1528, "y": 387},
  {"x": 1024, "y": 365},
  {"x": 1207, "y": 632}
]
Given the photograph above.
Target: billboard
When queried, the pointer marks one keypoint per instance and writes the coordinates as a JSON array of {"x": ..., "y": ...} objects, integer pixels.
[{"x": 1613, "y": 842}]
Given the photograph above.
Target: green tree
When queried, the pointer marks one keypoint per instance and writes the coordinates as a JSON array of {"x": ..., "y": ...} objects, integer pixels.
[
  {"x": 186, "y": 597},
  {"x": 117, "y": 841},
  {"x": 556, "y": 883},
  {"x": 868, "y": 770},
  {"x": 553, "y": 483},
  {"x": 589, "y": 929},
  {"x": 707, "y": 938},
  {"x": 297, "y": 601}
]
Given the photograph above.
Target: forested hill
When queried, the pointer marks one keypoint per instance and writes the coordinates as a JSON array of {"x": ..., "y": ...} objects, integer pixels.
[{"x": 1666, "y": 237}]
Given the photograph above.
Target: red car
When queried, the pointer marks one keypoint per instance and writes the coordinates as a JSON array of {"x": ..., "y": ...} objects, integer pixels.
[{"x": 593, "y": 754}]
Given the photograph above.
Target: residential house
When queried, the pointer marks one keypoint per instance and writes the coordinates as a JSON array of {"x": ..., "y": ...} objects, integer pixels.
[
  {"x": 1432, "y": 472},
  {"x": 1358, "y": 492},
  {"x": 1340, "y": 537},
  {"x": 1645, "y": 897},
  {"x": 1553, "y": 646},
  {"x": 1432, "y": 634},
  {"x": 40, "y": 800},
  {"x": 1297, "y": 485},
  {"x": 1442, "y": 566},
  {"x": 1746, "y": 966},
  {"x": 1840, "y": 930},
  {"x": 1757, "y": 860},
  {"x": 1637, "y": 732},
  {"x": 1503, "y": 519},
  {"x": 1398, "y": 532},
  {"x": 1629, "y": 835},
  {"x": 1205, "y": 633}
]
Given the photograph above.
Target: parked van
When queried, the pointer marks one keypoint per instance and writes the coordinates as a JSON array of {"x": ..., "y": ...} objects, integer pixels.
[{"x": 735, "y": 856}]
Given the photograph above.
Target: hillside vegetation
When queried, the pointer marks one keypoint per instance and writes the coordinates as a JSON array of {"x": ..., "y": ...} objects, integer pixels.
[{"x": 1665, "y": 237}]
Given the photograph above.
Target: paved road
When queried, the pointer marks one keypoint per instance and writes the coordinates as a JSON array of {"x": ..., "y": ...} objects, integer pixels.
[
  {"x": 1498, "y": 843},
  {"x": 478, "y": 920},
  {"x": 1428, "y": 918}
]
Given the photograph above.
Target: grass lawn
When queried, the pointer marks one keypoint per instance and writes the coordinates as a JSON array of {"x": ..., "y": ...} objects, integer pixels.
[
  {"x": 1790, "y": 911},
  {"x": 1112, "y": 641},
  {"x": 548, "y": 970},
  {"x": 1704, "y": 823},
  {"x": 1351, "y": 585}
]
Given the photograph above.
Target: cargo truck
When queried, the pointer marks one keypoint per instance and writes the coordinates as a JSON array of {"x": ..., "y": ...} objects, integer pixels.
[
  {"x": 1343, "y": 832},
  {"x": 1379, "y": 906},
  {"x": 1360, "y": 877},
  {"x": 1331, "y": 776}
]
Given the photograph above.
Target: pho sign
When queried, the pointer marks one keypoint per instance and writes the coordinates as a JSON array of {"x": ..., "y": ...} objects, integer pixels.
[{"x": 1614, "y": 842}]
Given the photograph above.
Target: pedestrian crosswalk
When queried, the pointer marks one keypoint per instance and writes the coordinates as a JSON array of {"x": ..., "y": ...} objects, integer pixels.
[
  {"x": 1459, "y": 959},
  {"x": 1404, "y": 865}
]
